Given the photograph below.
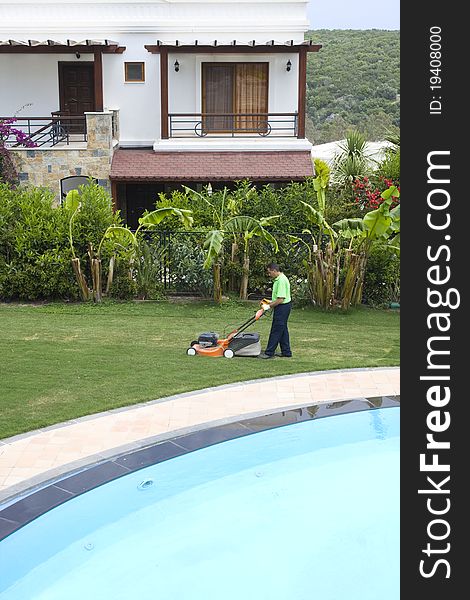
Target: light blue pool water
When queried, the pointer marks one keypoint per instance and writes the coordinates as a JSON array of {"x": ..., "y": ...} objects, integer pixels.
[{"x": 303, "y": 512}]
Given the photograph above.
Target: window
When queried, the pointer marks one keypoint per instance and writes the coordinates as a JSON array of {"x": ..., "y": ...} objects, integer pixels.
[
  {"x": 72, "y": 183},
  {"x": 231, "y": 89},
  {"x": 134, "y": 72}
]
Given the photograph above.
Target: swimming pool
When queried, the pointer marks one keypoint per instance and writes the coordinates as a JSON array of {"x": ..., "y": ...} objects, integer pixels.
[{"x": 308, "y": 510}]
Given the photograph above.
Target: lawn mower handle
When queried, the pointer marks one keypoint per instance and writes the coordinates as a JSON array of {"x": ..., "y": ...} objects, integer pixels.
[{"x": 259, "y": 313}]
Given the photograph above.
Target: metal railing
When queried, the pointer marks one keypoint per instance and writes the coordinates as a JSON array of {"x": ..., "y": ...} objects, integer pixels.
[
  {"x": 48, "y": 131},
  {"x": 233, "y": 124}
]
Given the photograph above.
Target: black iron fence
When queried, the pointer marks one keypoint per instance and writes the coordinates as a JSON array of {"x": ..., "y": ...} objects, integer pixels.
[{"x": 179, "y": 257}]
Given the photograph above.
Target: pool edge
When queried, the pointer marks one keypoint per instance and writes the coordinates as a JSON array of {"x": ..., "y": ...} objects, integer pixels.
[{"x": 22, "y": 507}]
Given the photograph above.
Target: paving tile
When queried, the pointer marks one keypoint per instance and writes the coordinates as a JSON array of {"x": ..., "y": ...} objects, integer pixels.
[{"x": 75, "y": 441}]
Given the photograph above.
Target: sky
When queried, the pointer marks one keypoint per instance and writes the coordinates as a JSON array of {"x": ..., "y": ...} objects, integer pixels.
[{"x": 354, "y": 14}]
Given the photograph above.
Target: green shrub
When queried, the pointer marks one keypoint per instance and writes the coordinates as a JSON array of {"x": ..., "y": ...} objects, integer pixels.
[
  {"x": 34, "y": 253},
  {"x": 300, "y": 291},
  {"x": 186, "y": 260},
  {"x": 123, "y": 287},
  {"x": 91, "y": 221},
  {"x": 148, "y": 270},
  {"x": 389, "y": 168},
  {"x": 382, "y": 279}
]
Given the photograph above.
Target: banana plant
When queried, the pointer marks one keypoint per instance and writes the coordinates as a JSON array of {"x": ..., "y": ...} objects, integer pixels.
[
  {"x": 213, "y": 244},
  {"x": 118, "y": 238},
  {"x": 381, "y": 225},
  {"x": 249, "y": 227},
  {"x": 321, "y": 264},
  {"x": 321, "y": 182},
  {"x": 72, "y": 205},
  {"x": 336, "y": 270},
  {"x": 226, "y": 220}
]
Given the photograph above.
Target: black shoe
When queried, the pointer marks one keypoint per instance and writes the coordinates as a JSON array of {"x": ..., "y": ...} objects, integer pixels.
[
  {"x": 282, "y": 355},
  {"x": 264, "y": 355}
]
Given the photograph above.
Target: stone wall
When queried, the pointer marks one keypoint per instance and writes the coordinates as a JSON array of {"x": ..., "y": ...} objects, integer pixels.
[{"x": 45, "y": 167}]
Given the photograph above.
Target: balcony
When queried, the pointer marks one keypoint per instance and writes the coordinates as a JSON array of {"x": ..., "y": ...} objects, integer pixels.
[
  {"x": 47, "y": 132},
  {"x": 223, "y": 125},
  {"x": 46, "y": 150}
]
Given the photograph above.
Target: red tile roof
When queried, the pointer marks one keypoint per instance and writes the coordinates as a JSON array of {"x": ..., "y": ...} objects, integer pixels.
[{"x": 147, "y": 165}]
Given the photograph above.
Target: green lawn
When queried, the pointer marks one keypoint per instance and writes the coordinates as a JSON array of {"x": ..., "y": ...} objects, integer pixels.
[{"x": 61, "y": 361}]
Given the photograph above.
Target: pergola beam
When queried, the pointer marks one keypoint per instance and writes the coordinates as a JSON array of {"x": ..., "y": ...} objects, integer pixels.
[
  {"x": 61, "y": 49},
  {"x": 232, "y": 49}
]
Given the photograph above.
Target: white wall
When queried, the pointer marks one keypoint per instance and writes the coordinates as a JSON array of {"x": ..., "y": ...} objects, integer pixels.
[
  {"x": 139, "y": 103},
  {"x": 31, "y": 78}
]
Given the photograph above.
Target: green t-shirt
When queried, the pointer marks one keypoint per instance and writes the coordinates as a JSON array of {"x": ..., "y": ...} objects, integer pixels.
[{"x": 281, "y": 288}]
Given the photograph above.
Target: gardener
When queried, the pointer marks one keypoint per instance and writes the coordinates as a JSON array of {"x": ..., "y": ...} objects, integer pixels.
[{"x": 281, "y": 305}]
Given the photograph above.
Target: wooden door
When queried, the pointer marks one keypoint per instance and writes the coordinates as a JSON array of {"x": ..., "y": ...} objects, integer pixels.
[{"x": 77, "y": 92}]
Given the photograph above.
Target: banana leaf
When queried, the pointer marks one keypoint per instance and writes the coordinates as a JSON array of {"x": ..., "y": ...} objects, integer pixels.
[{"x": 212, "y": 246}]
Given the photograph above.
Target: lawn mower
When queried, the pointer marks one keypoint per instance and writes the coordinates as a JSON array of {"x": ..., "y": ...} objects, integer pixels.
[{"x": 237, "y": 343}]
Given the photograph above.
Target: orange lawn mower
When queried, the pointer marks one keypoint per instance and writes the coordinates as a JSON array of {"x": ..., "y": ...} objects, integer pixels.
[{"x": 237, "y": 343}]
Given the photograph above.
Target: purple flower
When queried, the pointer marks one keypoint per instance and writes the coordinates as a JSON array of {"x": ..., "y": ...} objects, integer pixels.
[{"x": 7, "y": 131}]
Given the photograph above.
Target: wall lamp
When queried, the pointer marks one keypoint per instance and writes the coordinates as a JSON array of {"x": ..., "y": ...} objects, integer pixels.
[
  {"x": 177, "y": 66},
  {"x": 288, "y": 65}
]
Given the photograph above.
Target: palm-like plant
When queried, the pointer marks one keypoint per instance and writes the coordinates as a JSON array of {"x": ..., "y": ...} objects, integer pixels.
[
  {"x": 213, "y": 244},
  {"x": 320, "y": 264},
  {"x": 351, "y": 161}
]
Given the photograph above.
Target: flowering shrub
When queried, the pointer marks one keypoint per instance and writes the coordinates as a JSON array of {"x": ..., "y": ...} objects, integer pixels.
[
  {"x": 7, "y": 131},
  {"x": 367, "y": 193},
  {"x": 8, "y": 172}
]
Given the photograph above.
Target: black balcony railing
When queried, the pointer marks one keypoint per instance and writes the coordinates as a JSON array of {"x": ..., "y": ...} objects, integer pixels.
[
  {"x": 48, "y": 131},
  {"x": 189, "y": 125}
]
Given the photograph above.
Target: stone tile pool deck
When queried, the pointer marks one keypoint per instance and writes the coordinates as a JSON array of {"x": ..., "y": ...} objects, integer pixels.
[{"x": 30, "y": 460}]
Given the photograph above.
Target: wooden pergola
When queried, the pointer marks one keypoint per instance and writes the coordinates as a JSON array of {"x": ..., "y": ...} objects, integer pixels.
[{"x": 234, "y": 47}]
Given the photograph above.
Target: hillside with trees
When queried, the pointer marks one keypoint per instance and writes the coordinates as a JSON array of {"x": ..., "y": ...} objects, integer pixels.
[{"x": 353, "y": 82}]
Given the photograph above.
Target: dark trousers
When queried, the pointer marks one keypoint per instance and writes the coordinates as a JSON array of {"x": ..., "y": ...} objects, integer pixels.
[{"x": 279, "y": 333}]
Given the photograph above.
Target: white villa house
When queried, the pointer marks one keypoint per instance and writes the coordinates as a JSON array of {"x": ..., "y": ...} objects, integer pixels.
[{"x": 147, "y": 95}]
